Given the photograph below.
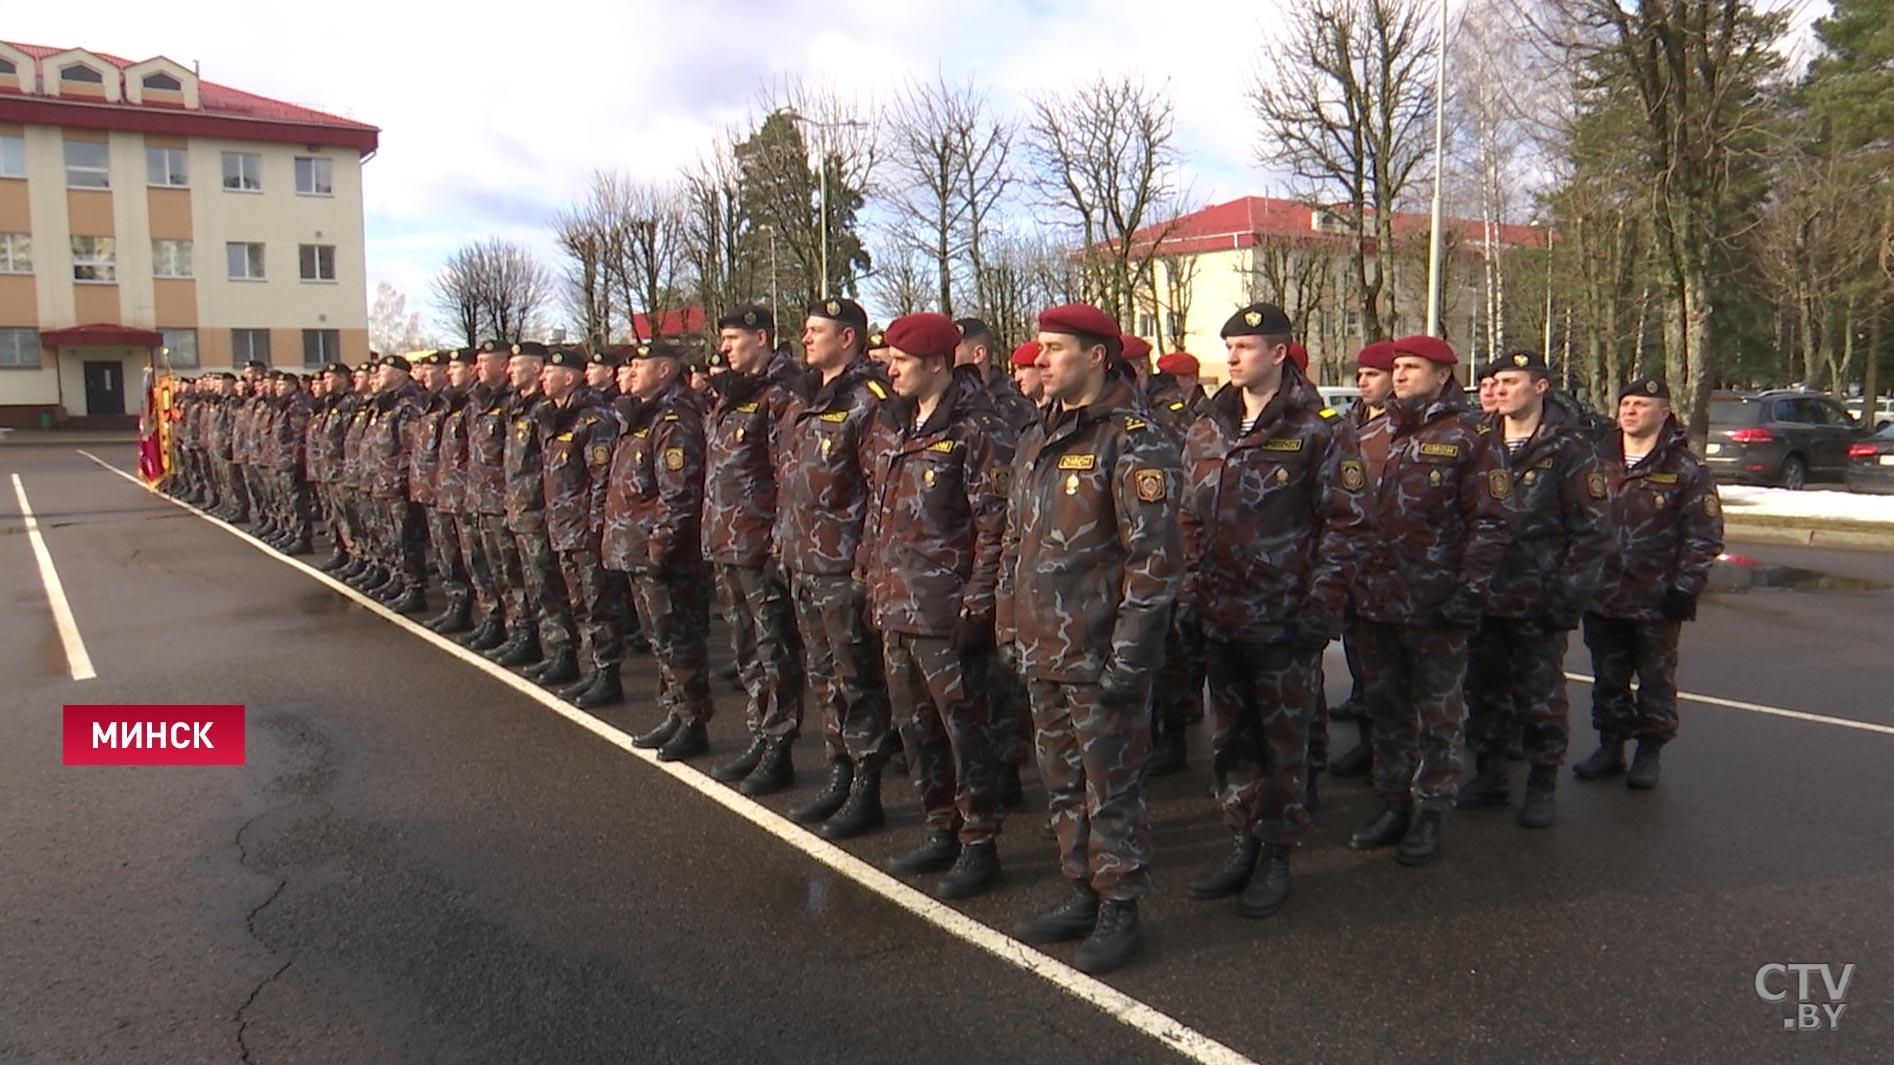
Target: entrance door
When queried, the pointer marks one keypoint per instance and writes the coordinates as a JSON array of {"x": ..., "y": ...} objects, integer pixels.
[{"x": 104, "y": 388}]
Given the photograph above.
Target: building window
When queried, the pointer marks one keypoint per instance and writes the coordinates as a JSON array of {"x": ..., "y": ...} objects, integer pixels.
[
  {"x": 12, "y": 156},
  {"x": 1147, "y": 324},
  {"x": 79, "y": 72},
  {"x": 94, "y": 259},
  {"x": 243, "y": 171},
  {"x": 315, "y": 177},
  {"x": 7, "y": 67},
  {"x": 246, "y": 261},
  {"x": 321, "y": 346},
  {"x": 247, "y": 344},
  {"x": 318, "y": 262},
  {"x": 171, "y": 258},
  {"x": 169, "y": 167},
  {"x": 16, "y": 253},
  {"x": 162, "y": 81},
  {"x": 87, "y": 165},
  {"x": 19, "y": 349},
  {"x": 1173, "y": 323},
  {"x": 180, "y": 346}
]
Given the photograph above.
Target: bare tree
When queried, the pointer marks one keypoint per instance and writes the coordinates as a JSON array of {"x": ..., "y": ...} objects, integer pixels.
[
  {"x": 1345, "y": 102},
  {"x": 651, "y": 222},
  {"x": 492, "y": 287},
  {"x": 1299, "y": 277},
  {"x": 582, "y": 235},
  {"x": 949, "y": 155},
  {"x": 391, "y": 326},
  {"x": 1105, "y": 156},
  {"x": 1022, "y": 274},
  {"x": 713, "y": 234},
  {"x": 902, "y": 284}
]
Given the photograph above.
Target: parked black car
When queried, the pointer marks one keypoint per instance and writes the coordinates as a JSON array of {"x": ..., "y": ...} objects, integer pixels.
[
  {"x": 1784, "y": 438},
  {"x": 1871, "y": 463}
]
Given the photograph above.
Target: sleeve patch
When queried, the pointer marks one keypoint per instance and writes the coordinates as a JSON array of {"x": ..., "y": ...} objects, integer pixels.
[
  {"x": 1712, "y": 506},
  {"x": 1595, "y": 484},
  {"x": 601, "y": 455},
  {"x": 1354, "y": 475},
  {"x": 1150, "y": 484},
  {"x": 673, "y": 458}
]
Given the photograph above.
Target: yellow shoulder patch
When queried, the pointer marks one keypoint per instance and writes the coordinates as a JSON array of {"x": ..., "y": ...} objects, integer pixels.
[
  {"x": 834, "y": 416},
  {"x": 1133, "y": 423},
  {"x": 942, "y": 446},
  {"x": 875, "y": 387},
  {"x": 746, "y": 408},
  {"x": 1179, "y": 405},
  {"x": 1329, "y": 413},
  {"x": 563, "y": 436},
  {"x": 670, "y": 417}
]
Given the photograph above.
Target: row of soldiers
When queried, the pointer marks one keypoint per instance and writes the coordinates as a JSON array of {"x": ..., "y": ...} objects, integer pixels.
[{"x": 961, "y": 568}]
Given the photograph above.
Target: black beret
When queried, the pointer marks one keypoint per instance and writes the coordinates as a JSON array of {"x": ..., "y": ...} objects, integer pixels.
[
  {"x": 565, "y": 356},
  {"x": 436, "y": 357},
  {"x": 530, "y": 347},
  {"x": 337, "y": 367},
  {"x": 1648, "y": 387},
  {"x": 839, "y": 309},
  {"x": 226, "y": 376},
  {"x": 657, "y": 349},
  {"x": 495, "y": 347},
  {"x": 255, "y": 364},
  {"x": 612, "y": 355},
  {"x": 974, "y": 329},
  {"x": 1530, "y": 361},
  {"x": 877, "y": 339},
  {"x": 464, "y": 356},
  {"x": 1489, "y": 368},
  {"x": 397, "y": 362},
  {"x": 1258, "y": 320},
  {"x": 748, "y": 316}
]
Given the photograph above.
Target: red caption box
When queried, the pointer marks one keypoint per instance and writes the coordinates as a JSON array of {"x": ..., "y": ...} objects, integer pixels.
[{"x": 154, "y": 735}]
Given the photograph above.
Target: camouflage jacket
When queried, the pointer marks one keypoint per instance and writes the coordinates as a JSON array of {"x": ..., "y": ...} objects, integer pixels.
[
  {"x": 242, "y": 415},
  {"x": 576, "y": 449},
  {"x": 938, "y": 512},
  {"x": 1668, "y": 521},
  {"x": 385, "y": 455},
  {"x": 354, "y": 472},
  {"x": 337, "y": 413},
  {"x": 1008, "y": 402},
  {"x": 1174, "y": 403},
  {"x": 742, "y": 434},
  {"x": 654, "y": 509},
  {"x": 487, "y": 426},
  {"x": 822, "y": 472},
  {"x": 450, "y": 470},
  {"x": 424, "y": 448},
  {"x": 1090, "y": 561},
  {"x": 289, "y": 424},
  {"x": 263, "y": 442},
  {"x": 1561, "y": 523},
  {"x": 1274, "y": 520},
  {"x": 525, "y": 462},
  {"x": 313, "y": 456},
  {"x": 1371, "y": 435},
  {"x": 217, "y": 425},
  {"x": 1442, "y": 510}
]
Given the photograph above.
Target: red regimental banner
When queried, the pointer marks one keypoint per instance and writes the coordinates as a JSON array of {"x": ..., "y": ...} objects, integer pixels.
[{"x": 154, "y": 735}]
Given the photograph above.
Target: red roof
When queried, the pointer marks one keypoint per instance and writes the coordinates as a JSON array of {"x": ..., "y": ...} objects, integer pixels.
[
  {"x": 222, "y": 112},
  {"x": 102, "y": 334},
  {"x": 1245, "y": 223},
  {"x": 670, "y": 323}
]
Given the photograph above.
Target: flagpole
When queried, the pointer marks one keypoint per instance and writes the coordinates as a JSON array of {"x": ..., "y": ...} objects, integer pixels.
[{"x": 1440, "y": 153}]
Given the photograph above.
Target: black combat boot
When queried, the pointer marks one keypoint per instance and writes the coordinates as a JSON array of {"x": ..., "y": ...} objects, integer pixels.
[
  {"x": 1644, "y": 765},
  {"x": 298, "y": 546},
  {"x": 523, "y": 653},
  {"x": 691, "y": 739},
  {"x": 1539, "y": 808},
  {"x": 1228, "y": 879},
  {"x": 1168, "y": 754},
  {"x": 1387, "y": 829},
  {"x": 349, "y": 570},
  {"x": 658, "y": 737},
  {"x": 1115, "y": 939},
  {"x": 977, "y": 869},
  {"x": 334, "y": 563},
  {"x": 1269, "y": 888},
  {"x": 861, "y": 813},
  {"x": 579, "y": 687},
  {"x": 1356, "y": 761},
  {"x": 833, "y": 795},
  {"x": 606, "y": 690},
  {"x": 1487, "y": 787},
  {"x": 1012, "y": 794},
  {"x": 458, "y": 618},
  {"x": 1606, "y": 761},
  {"x": 739, "y": 767},
  {"x": 1075, "y": 915},
  {"x": 378, "y": 580},
  {"x": 490, "y": 634},
  {"x": 1421, "y": 845},
  {"x": 563, "y": 669},
  {"x": 775, "y": 772},
  {"x": 411, "y": 601},
  {"x": 935, "y": 854}
]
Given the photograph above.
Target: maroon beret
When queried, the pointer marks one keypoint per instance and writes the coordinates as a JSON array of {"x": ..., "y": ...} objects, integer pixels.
[
  {"x": 1299, "y": 355},
  {"x": 1075, "y": 318},
  {"x": 1137, "y": 349},
  {"x": 1377, "y": 356},
  {"x": 926, "y": 334},
  {"x": 1181, "y": 363},
  {"x": 1433, "y": 349},
  {"x": 1026, "y": 354}
]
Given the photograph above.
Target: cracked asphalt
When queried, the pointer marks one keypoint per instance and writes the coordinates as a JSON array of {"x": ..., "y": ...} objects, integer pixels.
[{"x": 417, "y": 864}]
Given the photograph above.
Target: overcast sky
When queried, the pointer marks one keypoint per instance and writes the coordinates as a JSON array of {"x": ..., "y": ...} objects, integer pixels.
[{"x": 493, "y": 116}]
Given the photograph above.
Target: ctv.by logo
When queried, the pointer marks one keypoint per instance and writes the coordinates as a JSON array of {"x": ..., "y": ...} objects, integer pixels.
[{"x": 1773, "y": 982}]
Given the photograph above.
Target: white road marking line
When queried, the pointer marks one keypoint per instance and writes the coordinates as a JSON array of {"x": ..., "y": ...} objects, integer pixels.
[
  {"x": 78, "y": 662},
  {"x": 1758, "y": 708},
  {"x": 1121, "y": 1007}
]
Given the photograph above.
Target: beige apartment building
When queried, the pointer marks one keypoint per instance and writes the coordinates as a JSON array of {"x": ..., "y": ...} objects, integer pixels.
[{"x": 152, "y": 219}]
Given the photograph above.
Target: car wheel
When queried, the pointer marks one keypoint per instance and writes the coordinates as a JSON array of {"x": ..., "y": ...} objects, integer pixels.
[{"x": 1795, "y": 474}]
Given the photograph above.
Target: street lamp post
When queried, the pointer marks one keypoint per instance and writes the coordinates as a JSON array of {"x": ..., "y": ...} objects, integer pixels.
[
  {"x": 1434, "y": 280},
  {"x": 822, "y": 178},
  {"x": 775, "y": 284}
]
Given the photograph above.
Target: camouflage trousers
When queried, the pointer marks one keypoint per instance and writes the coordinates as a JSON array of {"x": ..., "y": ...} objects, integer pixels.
[
  {"x": 768, "y": 651},
  {"x": 404, "y": 539},
  {"x": 294, "y": 511},
  {"x": 545, "y": 584},
  {"x": 940, "y": 706},
  {"x": 1091, "y": 757},
  {"x": 473, "y": 559},
  {"x": 597, "y": 598},
  {"x": 1412, "y": 677},
  {"x": 443, "y": 537},
  {"x": 674, "y": 606},
  {"x": 1009, "y": 711},
  {"x": 842, "y": 658},
  {"x": 1621, "y": 650},
  {"x": 1261, "y": 696},
  {"x": 1516, "y": 683},
  {"x": 509, "y": 578},
  {"x": 233, "y": 488},
  {"x": 345, "y": 520},
  {"x": 1177, "y": 692},
  {"x": 1318, "y": 716},
  {"x": 258, "y": 483}
]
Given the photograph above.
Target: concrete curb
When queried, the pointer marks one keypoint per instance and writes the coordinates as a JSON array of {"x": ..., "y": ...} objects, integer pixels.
[{"x": 1851, "y": 537}]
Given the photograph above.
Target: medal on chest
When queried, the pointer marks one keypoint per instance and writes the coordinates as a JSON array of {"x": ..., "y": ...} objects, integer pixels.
[
  {"x": 1433, "y": 478},
  {"x": 1072, "y": 484}
]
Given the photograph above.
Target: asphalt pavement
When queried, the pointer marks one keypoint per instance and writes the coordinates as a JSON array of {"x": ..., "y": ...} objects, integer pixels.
[{"x": 419, "y": 862}]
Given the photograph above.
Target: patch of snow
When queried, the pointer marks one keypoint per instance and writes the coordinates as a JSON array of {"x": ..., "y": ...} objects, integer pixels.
[{"x": 1739, "y": 500}]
